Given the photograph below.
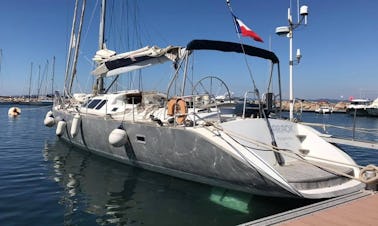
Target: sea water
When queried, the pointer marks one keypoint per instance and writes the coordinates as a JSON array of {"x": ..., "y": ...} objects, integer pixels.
[{"x": 44, "y": 181}]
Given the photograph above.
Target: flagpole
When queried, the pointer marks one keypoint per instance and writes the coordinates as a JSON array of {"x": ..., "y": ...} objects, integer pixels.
[
  {"x": 233, "y": 19},
  {"x": 277, "y": 155},
  {"x": 242, "y": 46}
]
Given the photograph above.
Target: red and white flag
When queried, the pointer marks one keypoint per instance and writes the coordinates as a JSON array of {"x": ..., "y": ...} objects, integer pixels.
[{"x": 244, "y": 30}]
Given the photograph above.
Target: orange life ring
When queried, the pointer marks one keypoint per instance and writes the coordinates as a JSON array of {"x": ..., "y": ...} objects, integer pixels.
[{"x": 177, "y": 106}]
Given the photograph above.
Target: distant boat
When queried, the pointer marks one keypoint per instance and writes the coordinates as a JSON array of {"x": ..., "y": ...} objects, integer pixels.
[
  {"x": 324, "y": 108},
  {"x": 372, "y": 109},
  {"x": 358, "y": 107}
]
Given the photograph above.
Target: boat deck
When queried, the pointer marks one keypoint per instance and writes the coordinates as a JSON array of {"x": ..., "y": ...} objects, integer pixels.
[
  {"x": 358, "y": 208},
  {"x": 313, "y": 176}
]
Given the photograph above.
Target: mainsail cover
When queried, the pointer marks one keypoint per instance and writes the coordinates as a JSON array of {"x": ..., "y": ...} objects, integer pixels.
[{"x": 110, "y": 63}]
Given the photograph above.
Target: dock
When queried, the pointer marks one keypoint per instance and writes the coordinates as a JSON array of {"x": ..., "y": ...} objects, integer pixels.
[
  {"x": 359, "y": 208},
  {"x": 344, "y": 141},
  {"x": 351, "y": 142}
]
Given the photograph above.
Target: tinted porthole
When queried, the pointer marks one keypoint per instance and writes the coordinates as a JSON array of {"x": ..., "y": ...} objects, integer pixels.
[
  {"x": 103, "y": 102},
  {"x": 93, "y": 103}
]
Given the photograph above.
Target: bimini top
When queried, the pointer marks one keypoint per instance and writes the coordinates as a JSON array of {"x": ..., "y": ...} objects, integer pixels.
[{"x": 232, "y": 47}]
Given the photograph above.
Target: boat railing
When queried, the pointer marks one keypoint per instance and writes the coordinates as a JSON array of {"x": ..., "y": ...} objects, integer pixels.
[
  {"x": 203, "y": 107},
  {"x": 197, "y": 106},
  {"x": 266, "y": 104},
  {"x": 245, "y": 101}
]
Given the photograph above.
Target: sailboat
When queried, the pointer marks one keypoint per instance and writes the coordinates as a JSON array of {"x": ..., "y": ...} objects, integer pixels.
[{"x": 182, "y": 132}]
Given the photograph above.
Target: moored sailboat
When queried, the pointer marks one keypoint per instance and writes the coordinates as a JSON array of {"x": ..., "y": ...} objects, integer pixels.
[{"x": 183, "y": 133}]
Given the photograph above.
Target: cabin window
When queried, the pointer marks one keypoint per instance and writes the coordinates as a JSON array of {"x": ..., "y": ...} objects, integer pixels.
[
  {"x": 114, "y": 109},
  {"x": 102, "y": 103},
  {"x": 93, "y": 103},
  {"x": 133, "y": 98}
]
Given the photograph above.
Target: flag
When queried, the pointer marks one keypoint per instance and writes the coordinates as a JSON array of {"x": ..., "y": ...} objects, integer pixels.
[{"x": 242, "y": 29}]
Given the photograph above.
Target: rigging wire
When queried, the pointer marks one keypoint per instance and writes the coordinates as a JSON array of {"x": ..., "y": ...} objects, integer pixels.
[{"x": 278, "y": 157}]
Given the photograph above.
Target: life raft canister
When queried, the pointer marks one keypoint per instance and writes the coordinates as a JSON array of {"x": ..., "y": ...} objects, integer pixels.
[
  {"x": 177, "y": 106},
  {"x": 14, "y": 111}
]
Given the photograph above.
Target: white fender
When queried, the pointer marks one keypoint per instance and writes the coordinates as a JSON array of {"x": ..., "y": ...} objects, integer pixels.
[
  {"x": 49, "y": 121},
  {"x": 75, "y": 125},
  {"x": 118, "y": 137},
  {"x": 60, "y": 128},
  {"x": 49, "y": 114},
  {"x": 14, "y": 111}
]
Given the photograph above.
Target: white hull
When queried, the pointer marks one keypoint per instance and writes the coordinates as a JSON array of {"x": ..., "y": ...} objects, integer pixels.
[
  {"x": 225, "y": 155},
  {"x": 324, "y": 110}
]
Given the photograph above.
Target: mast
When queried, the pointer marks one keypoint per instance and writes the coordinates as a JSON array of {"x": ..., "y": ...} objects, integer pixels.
[
  {"x": 69, "y": 55},
  {"x": 100, "y": 79},
  {"x": 52, "y": 79},
  {"x": 77, "y": 45},
  {"x": 30, "y": 79},
  {"x": 102, "y": 25},
  {"x": 1, "y": 58},
  {"x": 39, "y": 81}
]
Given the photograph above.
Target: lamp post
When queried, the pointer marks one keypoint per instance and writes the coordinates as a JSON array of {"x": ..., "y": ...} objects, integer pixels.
[{"x": 288, "y": 32}]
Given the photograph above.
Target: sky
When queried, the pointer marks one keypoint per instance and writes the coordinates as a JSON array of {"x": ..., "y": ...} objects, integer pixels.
[{"x": 339, "y": 44}]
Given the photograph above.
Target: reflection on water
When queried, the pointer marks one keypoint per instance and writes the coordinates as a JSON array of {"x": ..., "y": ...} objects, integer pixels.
[{"x": 113, "y": 193}]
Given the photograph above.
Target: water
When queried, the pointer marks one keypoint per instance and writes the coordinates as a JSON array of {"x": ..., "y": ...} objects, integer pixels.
[
  {"x": 342, "y": 126},
  {"x": 46, "y": 182}
]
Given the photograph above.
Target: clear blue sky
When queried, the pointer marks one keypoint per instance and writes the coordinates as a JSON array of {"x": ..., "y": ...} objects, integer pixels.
[{"x": 339, "y": 44}]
